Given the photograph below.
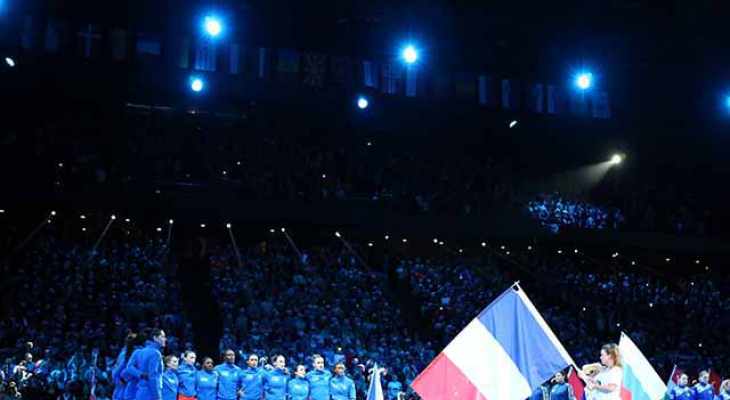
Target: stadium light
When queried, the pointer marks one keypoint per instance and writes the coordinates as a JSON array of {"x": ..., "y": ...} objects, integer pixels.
[
  {"x": 362, "y": 103},
  {"x": 410, "y": 55},
  {"x": 10, "y": 62},
  {"x": 584, "y": 80},
  {"x": 196, "y": 84},
  {"x": 213, "y": 26}
]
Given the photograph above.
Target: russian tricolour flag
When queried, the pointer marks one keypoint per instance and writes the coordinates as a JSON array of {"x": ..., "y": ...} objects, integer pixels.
[
  {"x": 503, "y": 354},
  {"x": 640, "y": 380}
]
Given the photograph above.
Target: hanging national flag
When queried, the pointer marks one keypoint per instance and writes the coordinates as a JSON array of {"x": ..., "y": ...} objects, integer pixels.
[
  {"x": 465, "y": 85},
  {"x": 31, "y": 33},
  {"x": 288, "y": 62},
  {"x": 511, "y": 94},
  {"x": 263, "y": 63},
  {"x": 341, "y": 70},
  {"x": 375, "y": 391},
  {"x": 640, "y": 380},
  {"x": 672, "y": 382},
  {"x": 183, "y": 53},
  {"x": 233, "y": 57},
  {"x": 89, "y": 40},
  {"x": 370, "y": 76},
  {"x": 577, "y": 103},
  {"x": 118, "y": 44},
  {"x": 205, "y": 54},
  {"x": 149, "y": 44},
  {"x": 411, "y": 80},
  {"x": 503, "y": 354},
  {"x": 392, "y": 77},
  {"x": 315, "y": 67},
  {"x": 57, "y": 37},
  {"x": 487, "y": 95},
  {"x": 601, "y": 105},
  {"x": 575, "y": 383},
  {"x": 536, "y": 97},
  {"x": 555, "y": 100}
]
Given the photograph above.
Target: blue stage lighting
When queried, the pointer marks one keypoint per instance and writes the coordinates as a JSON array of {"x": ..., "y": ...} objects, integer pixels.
[
  {"x": 213, "y": 26},
  {"x": 584, "y": 81},
  {"x": 196, "y": 84},
  {"x": 410, "y": 55},
  {"x": 727, "y": 102},
  {"x": 10, "y": 62},
  {"x": 362, "y": 103}
]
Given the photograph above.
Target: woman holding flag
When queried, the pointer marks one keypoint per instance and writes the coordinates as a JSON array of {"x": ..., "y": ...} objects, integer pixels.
[{"x": 607, "y": 384}]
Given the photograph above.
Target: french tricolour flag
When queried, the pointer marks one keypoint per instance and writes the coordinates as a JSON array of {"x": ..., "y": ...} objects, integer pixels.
[
  {"x": 503, "y": 354},
  {"x": 640, "y": 380}
]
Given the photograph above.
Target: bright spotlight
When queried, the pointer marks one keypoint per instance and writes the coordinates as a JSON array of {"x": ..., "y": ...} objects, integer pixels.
[
  {"x": 212, "y": 26},
  {"x": 10, "y": 62},
  {"x": 114, "y": 217},
  {"x": 362, "y": 103},
  {"x": 337, "y": 234},
  {"x": 172, "y": 222},
  {"x": 584, "y": 81},
  {"x": 53, "y": 213},
  {"x": 616, "y": 159},
  {"x": 513, "y": 124},
  {"x": 196, "y": 84},
  {"x": 228, "y": 225},
  {"x": 410, "y": 54}
]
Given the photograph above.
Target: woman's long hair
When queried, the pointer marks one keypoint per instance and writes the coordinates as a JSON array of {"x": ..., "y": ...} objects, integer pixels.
[{"x": 612, "y": 350}]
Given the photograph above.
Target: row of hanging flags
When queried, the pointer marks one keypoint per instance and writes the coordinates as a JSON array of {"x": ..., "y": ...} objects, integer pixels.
[
  {"x": 508, "y": 351},
  {"x": 312, "y": 71}
]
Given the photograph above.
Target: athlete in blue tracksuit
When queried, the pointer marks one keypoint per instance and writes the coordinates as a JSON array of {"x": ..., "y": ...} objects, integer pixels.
[
  {"x": 319, "y": 380},
  {"x": 561, "y": 390},
  {"x": 206, "y": 381},
  {"x": 275, "y": 381},
  {"x": 130, "y": 374},
  {"x": 681, "y": 391},
  {"x": 118, "y": 393},
  {"x": 170, "y": 381},
  {"x": 251, "y": 379},
  {"x": 703, "y": 390},
  {"x": 724, "y": 390},
  {"x": 298, "y": 388},
  {"x": 542, "y": 392},
  {"x": 186, "y": 375},
  {"x": 228, "y": 379},
  {"x": 149, "y": 364},
  {"x": 341, "y": 387}
]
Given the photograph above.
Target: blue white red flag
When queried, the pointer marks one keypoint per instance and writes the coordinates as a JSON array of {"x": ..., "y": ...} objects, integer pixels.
[{"x": 503, "y": 354}]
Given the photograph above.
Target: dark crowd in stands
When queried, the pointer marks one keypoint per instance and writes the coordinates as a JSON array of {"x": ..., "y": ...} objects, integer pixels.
[
  {"x": 247, "y": 154},
  {"x": 67, "y": 310}
]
